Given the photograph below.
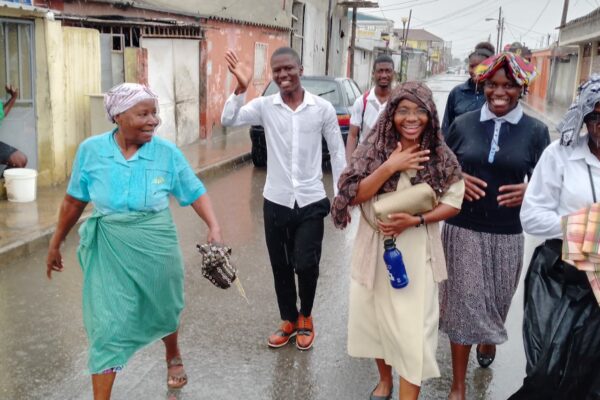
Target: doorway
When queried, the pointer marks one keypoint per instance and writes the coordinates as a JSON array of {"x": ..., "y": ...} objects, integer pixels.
[{"x": 18, "y": 129}]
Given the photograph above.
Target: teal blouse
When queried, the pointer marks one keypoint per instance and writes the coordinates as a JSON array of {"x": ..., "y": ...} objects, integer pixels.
[{"x": 102, "y": 175}]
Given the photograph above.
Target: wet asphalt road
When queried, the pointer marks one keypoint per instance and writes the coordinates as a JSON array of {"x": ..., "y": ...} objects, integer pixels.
[{"x": 223, "y": 339}]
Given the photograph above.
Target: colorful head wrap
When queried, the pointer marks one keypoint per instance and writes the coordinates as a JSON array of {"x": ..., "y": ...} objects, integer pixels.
[
  {"x": 520, "y": 70},
  {"x": 124, "y": 96},
  {"x": 570, "y": 126},
  {"x": 441, "y": 171}
]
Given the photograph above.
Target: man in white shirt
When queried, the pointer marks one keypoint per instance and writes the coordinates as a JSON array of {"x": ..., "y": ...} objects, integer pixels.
[
  {"x": 365, "y": 113},
  {"x": 295, "y": 202}
]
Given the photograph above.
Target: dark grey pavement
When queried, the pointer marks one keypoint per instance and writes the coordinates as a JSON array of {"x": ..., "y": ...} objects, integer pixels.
[{"x": 223, "y": 339}]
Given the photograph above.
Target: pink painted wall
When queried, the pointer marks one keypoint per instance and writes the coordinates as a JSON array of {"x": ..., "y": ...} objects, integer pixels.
[{"x": 217, "y": 83}]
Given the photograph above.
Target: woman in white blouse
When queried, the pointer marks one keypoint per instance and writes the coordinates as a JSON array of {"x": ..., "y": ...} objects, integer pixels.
[{"x": 562, "y": 318}]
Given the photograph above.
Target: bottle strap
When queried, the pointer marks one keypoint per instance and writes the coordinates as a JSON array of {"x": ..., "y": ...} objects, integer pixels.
[{"x": 592, "y": 182}]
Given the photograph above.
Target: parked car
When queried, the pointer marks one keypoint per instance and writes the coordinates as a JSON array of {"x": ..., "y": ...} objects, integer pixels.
[{"x": 341, "y": 92}]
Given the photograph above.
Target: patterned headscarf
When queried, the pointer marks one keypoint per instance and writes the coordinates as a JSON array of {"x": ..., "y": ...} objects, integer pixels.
[
  {"x": 441, "y": 171},
  {"x": 124, "y": 96},
  {"x": 520, "y": 70},
  {"x": 570, "y": 126}
]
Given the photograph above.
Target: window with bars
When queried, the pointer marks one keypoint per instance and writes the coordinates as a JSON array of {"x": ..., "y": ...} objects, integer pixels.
[{"x": 16, "y": 45}]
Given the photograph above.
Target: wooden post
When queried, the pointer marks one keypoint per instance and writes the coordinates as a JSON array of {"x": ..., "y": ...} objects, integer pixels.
[{"x": 352, "y": 42}]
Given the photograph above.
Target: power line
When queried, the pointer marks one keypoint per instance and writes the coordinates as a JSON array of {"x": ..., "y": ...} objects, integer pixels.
[
  {"x": 521, "y": 28},
  {"x": 538, "y": 18},
  {"x": 460, "y": 12},
  {"x": 389, "y": 6},
  {"x": 394, "y": 8}
]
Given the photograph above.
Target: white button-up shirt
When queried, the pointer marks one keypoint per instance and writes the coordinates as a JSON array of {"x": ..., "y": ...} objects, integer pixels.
[
  {"x": 372, "y": 110},
  {"x": 294, "y": 141},
  {"x": 560, "y": 185}
]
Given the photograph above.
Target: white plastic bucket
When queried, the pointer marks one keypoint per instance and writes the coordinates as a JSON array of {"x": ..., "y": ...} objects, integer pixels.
[{"x": 20, "y": 184}]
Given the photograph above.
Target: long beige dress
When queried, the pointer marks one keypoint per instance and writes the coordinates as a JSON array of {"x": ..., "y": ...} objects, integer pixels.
[{"x": 399, "y": 326}]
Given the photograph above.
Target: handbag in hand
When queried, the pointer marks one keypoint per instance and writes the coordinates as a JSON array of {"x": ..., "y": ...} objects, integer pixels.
[
  {"x": 414, "y": 200},
  {"x": 216, "y": 264}
]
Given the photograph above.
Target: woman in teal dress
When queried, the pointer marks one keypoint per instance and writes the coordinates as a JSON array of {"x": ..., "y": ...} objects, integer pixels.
[{"x": 129, "y": 252}]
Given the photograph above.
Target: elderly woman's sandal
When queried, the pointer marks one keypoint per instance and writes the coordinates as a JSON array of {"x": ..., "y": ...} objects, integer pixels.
[{"x": 179, "y": 379}]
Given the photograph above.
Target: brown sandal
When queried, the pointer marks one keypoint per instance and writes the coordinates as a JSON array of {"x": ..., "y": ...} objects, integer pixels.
[{"x": 178, "y": 380}]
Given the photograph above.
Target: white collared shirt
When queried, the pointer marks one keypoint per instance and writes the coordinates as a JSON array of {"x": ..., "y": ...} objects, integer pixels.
[
  {"x": 560, "y": 185},
  {"x": 512, "y": 117},
  {"x": 372, "y": 111},
  {"x": 294, "y": 141}
]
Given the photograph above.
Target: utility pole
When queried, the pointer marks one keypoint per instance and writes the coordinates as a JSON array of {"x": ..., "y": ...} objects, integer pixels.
[
  {"x": 328, "y": 47},
  {"x": 355, "y": 5},
  {"x": 501, "y": 33},
  {"x": 352, "y": 42},
  {"x": 403, "y": 45},
  {"x": 499, "y": 29},
  {"x": 563, "y": 20}
]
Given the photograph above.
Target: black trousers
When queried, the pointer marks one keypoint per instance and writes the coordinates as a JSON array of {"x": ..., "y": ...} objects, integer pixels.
[{"x": 294, "y": 238}]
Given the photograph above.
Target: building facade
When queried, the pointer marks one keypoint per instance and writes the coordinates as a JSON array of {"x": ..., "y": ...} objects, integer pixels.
[
  {"x": 177, "y": 48},
  {"x": 584, "y": 33}
]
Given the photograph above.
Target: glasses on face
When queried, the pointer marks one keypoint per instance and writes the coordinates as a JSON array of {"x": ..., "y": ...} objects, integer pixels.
[
  {"x": 494, "y": 85},
  {"x": 592, "y": 118},
  {"x": 405, "y": 112}
]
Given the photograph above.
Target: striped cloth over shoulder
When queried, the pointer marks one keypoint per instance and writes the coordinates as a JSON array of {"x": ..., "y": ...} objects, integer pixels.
[{"x": 581, "y": 243}]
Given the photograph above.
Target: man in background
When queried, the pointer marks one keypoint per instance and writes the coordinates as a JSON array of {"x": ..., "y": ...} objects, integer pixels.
[{"x": 367, "y": 107}]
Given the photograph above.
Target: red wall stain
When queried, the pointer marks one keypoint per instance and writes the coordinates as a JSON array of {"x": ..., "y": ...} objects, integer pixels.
[
  {"x": 217, "y": 83},
  {"x": 541, "y": 60}
]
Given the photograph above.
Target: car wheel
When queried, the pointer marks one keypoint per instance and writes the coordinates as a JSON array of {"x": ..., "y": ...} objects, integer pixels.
[{"x": 259, "y": 155}]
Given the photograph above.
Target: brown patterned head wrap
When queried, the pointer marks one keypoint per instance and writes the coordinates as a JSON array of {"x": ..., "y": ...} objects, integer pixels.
[{"x": 441, "y": 171}]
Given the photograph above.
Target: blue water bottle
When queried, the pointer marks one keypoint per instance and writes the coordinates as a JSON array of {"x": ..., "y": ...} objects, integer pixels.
[{"x": 395, "y": 265}]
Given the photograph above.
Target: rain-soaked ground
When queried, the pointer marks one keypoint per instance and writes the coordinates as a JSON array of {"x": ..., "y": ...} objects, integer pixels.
[{"x": 223, "y": 339}]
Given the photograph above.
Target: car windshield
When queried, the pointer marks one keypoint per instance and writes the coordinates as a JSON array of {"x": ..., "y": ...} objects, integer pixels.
[{"x": 325, "y": 88}]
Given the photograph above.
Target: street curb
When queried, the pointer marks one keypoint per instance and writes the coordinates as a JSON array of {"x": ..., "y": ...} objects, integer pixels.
[{"x": 41, "y": 239}]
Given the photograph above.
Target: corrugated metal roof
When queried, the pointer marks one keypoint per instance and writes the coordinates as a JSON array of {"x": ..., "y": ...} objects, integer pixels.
[
  {"x": 24, "y": 7},
  {"x": 585, "y": 19}
]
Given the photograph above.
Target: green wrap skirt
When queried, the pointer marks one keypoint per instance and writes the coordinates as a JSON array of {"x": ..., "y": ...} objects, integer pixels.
[{"x": 132, "y": 284}]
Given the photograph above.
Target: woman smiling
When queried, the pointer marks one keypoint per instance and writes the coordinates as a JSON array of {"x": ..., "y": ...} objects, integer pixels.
[
  {"x": 129, "y": 252},
  {"x": 497, "y": 147},
  {"x": 398, "y": 327}
]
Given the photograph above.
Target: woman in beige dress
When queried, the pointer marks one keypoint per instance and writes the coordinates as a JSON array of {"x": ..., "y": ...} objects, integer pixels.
[{"x": 399, "y": 327}]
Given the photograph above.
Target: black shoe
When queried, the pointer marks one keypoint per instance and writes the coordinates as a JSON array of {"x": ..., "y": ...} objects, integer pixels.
[
  {"x": 388, "y": 397},
  {"x": 485, "y": 360}
]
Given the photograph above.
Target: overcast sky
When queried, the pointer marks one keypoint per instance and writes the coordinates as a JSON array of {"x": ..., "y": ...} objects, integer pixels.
[{"x": 463, "y": 21}]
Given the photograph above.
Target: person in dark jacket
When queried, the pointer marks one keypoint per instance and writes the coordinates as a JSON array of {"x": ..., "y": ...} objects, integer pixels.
[
  {"x": 467, "y": 96},
  {"x": 497, "y": 147}
]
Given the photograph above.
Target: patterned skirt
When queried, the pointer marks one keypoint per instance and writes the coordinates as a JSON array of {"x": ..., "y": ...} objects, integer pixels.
[{"x": 483, "y": 274}]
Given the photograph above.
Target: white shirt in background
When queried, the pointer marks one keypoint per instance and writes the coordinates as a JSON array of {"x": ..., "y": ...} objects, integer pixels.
[
  {"x": 560, "y": 185},
  {"x": 294, "y": 141},
  {"x": 372, "y": 111}
]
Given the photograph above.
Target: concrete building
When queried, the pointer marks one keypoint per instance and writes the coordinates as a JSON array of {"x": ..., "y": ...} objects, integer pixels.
[
  {"x": 177, "y": 48},
  {"x": 48, "y": 121},
  {"x": 433, "y": 45},
  {"x": 583, "y": 32},
  {"x": 374, "y": 36}
]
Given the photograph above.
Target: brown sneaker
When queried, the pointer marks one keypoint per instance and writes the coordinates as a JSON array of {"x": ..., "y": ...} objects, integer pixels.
[
  {"x": 306, "y": 333},
  {"x": 282, "y": 336}
]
